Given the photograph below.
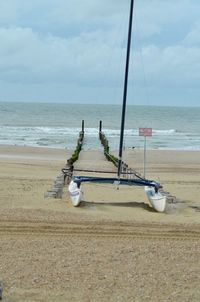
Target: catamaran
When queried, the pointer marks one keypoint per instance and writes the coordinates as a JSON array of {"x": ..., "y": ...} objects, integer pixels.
[{"x": 151, "y": 187}]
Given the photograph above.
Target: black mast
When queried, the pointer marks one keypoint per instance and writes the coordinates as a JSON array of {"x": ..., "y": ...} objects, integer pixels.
[{"x": 125, "y": 89}]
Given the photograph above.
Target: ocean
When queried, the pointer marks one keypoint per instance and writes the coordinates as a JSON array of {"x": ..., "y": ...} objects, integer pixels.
[{"x": 57, "y": 125}]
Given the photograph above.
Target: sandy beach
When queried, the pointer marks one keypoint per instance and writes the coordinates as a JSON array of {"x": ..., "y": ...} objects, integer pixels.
[{"x": 114, "y": 247}]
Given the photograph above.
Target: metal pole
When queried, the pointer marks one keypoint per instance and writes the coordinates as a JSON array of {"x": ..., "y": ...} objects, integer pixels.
[
  {"x": 125, "y": 88},
  {"x": 83, "y": 126},
  {"x": 145, "y": 146},
  {"x": 100, "y": 126}
]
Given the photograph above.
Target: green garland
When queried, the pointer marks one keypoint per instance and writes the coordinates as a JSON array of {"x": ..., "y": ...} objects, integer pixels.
[
  {"x": 105, "y": 144},
  {"x": 75, "y": 154}
]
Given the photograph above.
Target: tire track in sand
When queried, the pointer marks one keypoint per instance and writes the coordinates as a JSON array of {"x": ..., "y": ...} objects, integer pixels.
[{"x": 85, "y": 228}]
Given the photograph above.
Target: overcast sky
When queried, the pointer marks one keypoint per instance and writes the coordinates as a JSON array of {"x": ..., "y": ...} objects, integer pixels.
[{"x": 74, "y": 51}]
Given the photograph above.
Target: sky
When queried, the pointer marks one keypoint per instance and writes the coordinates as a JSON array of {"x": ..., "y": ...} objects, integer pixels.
[{"x": 74, "y": 51}]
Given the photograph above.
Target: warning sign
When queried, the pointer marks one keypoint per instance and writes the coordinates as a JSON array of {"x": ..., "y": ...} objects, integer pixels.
[{"x": 145, "y": 131}]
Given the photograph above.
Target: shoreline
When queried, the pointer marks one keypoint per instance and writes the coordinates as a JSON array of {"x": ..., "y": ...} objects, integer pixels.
[{"x": 94, "y": 149}]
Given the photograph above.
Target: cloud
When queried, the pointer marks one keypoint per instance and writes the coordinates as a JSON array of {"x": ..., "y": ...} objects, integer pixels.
[
  {"x": 27, "y": 56},
  {"x": 80, "y": 46},
  {"x": 193, "y": 37},
  {"x": 173, "y": 63}
]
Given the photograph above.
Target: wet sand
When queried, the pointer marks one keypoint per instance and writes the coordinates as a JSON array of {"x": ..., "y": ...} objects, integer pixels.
[{"x": 114, "y": 247}]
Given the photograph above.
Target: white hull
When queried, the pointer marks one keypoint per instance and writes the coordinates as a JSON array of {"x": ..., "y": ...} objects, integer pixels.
[
  {"x": 75, "y": 193},
  {"x": 157, "y": 200}
]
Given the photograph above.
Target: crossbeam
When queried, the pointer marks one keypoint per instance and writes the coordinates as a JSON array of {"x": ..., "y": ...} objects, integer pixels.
[{"x": 121, "y": 181}]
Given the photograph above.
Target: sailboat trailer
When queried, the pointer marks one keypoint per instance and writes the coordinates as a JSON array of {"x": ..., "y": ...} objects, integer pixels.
[{"x": 157, "y": 200}]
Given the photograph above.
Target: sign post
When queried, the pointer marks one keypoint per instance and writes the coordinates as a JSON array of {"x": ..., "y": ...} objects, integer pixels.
[{"x": 145, "y": 132}]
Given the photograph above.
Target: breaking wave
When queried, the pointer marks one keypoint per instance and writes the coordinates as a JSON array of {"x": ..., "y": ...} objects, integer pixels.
[{"x": 65, "y": 137}]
